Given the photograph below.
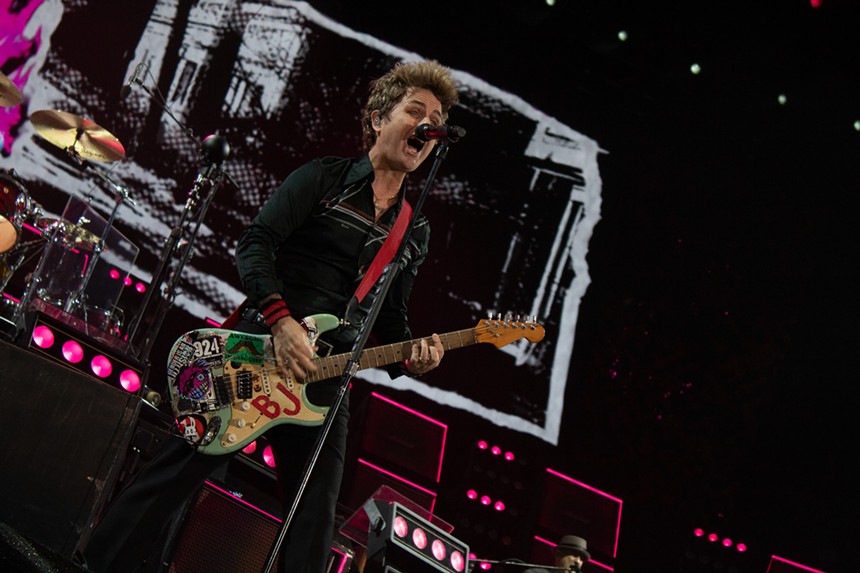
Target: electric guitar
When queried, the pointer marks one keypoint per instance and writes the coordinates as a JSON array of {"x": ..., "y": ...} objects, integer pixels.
[{"x": 225, "y": 387}]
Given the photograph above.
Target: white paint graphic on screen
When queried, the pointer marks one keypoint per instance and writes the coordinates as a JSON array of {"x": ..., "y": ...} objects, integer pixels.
[{"x": 271, "y": 23}]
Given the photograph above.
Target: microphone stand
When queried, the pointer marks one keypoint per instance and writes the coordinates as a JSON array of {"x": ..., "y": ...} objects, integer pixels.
[
  {"x": 215, "y": 151},
  {"x": 352, "y": 365}
]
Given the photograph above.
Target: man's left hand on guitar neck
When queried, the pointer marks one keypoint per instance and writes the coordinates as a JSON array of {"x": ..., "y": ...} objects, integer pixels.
[{"x": 425, "y": 356}]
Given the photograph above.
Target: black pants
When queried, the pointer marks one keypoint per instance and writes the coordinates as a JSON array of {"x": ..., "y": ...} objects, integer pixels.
[{"x": 133, "y": 522}]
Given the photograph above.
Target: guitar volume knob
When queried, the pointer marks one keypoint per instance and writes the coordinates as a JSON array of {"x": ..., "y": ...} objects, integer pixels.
[{"x": 240, "y": 423}]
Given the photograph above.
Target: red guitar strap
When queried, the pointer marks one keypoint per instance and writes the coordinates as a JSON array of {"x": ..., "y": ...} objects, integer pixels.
[
  {"x": 386, "y": 251},
  {"x": 382, "y": 258}
]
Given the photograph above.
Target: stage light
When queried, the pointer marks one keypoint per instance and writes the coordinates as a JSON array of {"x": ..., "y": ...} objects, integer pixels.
[
  {"x": 101, "y": 366},
  {"x": 712, "y": 537},
  {"x": 401, "y": 528},
  {"x": 61, "y": 342},
  {"x": 727, "y": 542},
  {"x": 72, "y": 351},
  {"x": 268, "y": 456},
  {"x": 482, "y": 445},
  {"x": 741, "y": 547},
  {"x": 419, "y": 538},
  {"x": 114, "y": 274},
  {"x": 140, "y": 287},
  {"x": 399, "y": 540},
  {"x": 250, "y": 448},
  {"x": 496, "y": 450},
  {"x": 43, "y": 336},
  {"x": 699, "y": 532},
  {"x": 129, "y": 380},
  {"x": 472, "y": 494},
  {"x": 499, "y": 506}
]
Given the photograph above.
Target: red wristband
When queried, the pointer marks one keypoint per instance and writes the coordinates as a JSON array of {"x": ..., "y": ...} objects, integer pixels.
[{"x": 274, "y": 310}]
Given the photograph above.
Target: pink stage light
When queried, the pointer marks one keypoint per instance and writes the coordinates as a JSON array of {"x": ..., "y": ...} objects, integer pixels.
[
  {"x": 496, "y": 450},
  {"x": 268, "y": 456},
  {"x": 140, "y": 287},
  {"x": 401, "y": 528},
  {"x": 742, "y": 547},
  {"x": 482, "y": 445},
  {"x": 72, "y": 351},
  {"x": 713, "y": 537},
  {"x": 485, "y": 566},
  {"x": 438, "y": 550},
  {"x": 114, "y": 274},
  {"x": 419, "y": 538},
  {"x": 509, "y": 456},
  {"x": 699, "y": 532},
  {"x": 485, "y": 500},
  {"x": 458, "y": 563},
  {"x": 126, "y": 281},
  {"x": 250, "y": 448},
  {"x": 727, "y": 542},
  {"x": 43, "y": 336},
  {"x": 472, "y": 494},
  {"x": 499, "y": 506},
  {"x": 129, "y": 380},
  {"x": 101, "y": 366}
]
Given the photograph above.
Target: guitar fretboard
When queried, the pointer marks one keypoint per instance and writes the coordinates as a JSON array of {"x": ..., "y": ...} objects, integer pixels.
[{"x": 331, "y": 366}]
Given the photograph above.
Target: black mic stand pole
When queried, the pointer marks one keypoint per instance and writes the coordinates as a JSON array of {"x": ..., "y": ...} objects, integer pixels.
[
  {"x": 354, "y": 363},
  {"x": 215, "y": 151}
]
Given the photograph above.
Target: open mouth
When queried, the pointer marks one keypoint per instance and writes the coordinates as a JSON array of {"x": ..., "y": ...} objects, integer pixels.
[{"x": 415, "y": 143}]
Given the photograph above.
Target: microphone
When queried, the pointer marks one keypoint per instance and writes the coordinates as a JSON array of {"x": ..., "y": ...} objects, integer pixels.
[
  {"x": 452, "y": 133},
  {"x": 134, "y": 79}
]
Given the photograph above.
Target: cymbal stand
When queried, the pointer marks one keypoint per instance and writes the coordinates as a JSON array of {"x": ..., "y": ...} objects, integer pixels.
[
  {"x": 215, "y": 150},
  {"x": 120, "y": 193}
]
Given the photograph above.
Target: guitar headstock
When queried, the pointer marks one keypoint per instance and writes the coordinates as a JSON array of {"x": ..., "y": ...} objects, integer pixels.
[{"x": 501, "y": 331}]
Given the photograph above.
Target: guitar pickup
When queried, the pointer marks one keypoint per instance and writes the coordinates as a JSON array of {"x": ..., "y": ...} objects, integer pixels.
[{"x": 244, "y": 385}]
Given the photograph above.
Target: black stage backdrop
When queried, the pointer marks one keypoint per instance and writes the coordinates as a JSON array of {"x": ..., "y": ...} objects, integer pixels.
[{"x": 704, "y": 270}]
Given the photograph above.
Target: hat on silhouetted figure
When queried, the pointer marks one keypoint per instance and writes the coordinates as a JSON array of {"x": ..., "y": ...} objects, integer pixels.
[{"x": 574, "y": 544}]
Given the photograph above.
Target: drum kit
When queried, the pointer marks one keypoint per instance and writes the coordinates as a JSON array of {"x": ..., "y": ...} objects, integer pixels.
[{"x": 84, "y": 140}]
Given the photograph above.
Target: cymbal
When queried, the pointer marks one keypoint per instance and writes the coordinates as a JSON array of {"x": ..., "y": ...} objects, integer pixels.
[
  {"x": 81, "y": 135},
  {"x": 9, "y": 92},
  {"x": 68, "y": 233}
]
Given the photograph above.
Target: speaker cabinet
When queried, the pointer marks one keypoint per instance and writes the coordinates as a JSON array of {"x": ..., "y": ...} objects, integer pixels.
[
  {"x": 202, "y": 545},
  {"x": 64, "y": 436}
]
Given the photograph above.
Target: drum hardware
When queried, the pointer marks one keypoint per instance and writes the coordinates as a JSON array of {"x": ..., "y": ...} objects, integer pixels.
[
  {"x": 9, "y": 93},
  {"x": 15, "y": 207},
  {"x": 81, "y": 139},
  {"x": 72, "y": 235}
]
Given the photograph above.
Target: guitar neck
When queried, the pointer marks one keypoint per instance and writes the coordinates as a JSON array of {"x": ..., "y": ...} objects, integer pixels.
[{"x": 330, "y": 366}]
